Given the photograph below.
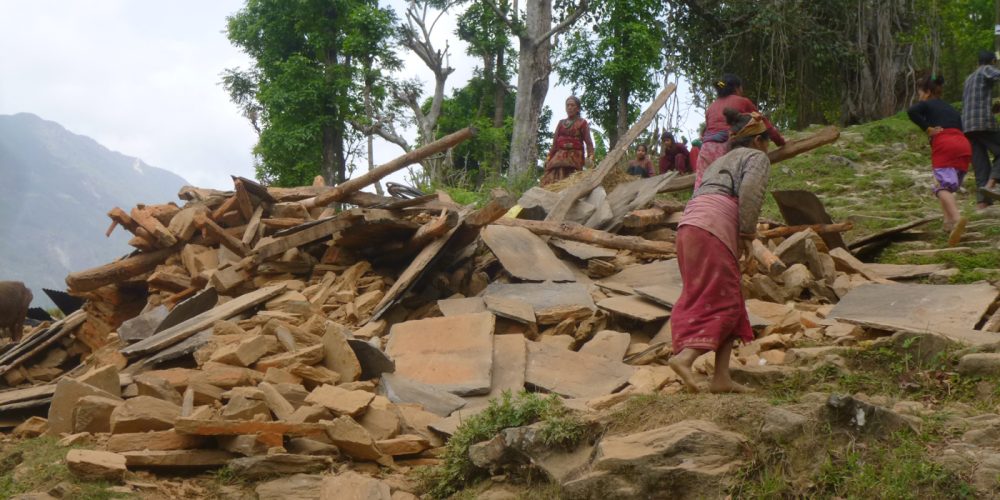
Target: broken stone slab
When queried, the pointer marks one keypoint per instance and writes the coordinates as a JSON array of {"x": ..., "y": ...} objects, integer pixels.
[
  {"x": 105, "y": 378},
  {"x": 905, "y": 271},
  {"x": 306, "y": 356},
  {"x": 453, "y": 354},
  {"x": 635, "y": 307},
  {"x": 242, "y": 408},
  {"x": 276, "y": 402},
  {"x": 583, "y": 251},
  {"x": 144, "y": 413},
  {"x": 572, "y": 374},
  {"x": 659, "y": 273},
  {"x": 352, "y": 439},
  {"x": 510, "y": 308},
  {"x": 524, "y": 254},
  {"x": 373, "y": 361},
  {"x": 382, "y": 420},
  {"x": 154, "y": 440},
  {"x": 298, "y": 486},
  {"x": 399, "y": 389},
  {"x": 801, "y": 248},
  {"x": 846, "y": 261},
  {"x": 310, "y": 414},
  {"x": 244, "y": 353},
  {"x": 93, "y": 465},
  {"x": 927, "y": 307},
  {"x": 279, "y": 464},
  {"x": 543, "y": 296},
  {"x": 406, "y": 444},
  {"x": 351, "y": 485},
  {"x": 608, "y": 344},
  {"x": 510, "y": 359},
  {"x": 143, "y": 325},
  {"x": 157, "y": 387},
  {"x": 93, "y": 414},
  {"x": 460, "y": 306},
  {"x": 692, "y": 458},
  {"x": 308, "y": 446},
  {"x": 338, "y": 355},
  {"x": 67, "y": 394},
  {"x": 177, "y": 459},
  {"x": 340, "y": 401},
  {"x": 32, "y": 427}
]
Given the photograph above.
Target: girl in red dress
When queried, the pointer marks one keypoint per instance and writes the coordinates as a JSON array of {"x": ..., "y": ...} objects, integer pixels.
[{"x": 568, "y": 155}]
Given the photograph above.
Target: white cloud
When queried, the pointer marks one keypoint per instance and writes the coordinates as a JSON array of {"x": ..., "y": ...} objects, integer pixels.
[{"x": 143, "y": 78}]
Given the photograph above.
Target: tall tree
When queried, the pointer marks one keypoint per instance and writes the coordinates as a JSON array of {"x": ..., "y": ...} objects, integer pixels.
[
  {"x": 302, "y": 90},
  {"x": 534, "y": 64},
  {"x": 614, "y": 56}
]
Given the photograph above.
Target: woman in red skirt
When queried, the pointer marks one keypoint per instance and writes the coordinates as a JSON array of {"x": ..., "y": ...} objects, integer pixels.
[
  {"x": 568, "y": 155},
  {"x": 718, "y": 225},
  {"x": 951, "y": 152},
  {"x": 715, "y": 137}
]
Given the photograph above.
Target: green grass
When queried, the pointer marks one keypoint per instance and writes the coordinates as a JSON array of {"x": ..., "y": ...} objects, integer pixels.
[
  {"x": 45, "y": 461},
  {"x": 561, "y": 428}
]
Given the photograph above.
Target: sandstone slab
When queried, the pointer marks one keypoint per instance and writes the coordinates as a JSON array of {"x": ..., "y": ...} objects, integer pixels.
[
  {"x": 154, "y": 440},
  {"x": 144, "y": 413},
  {"x": 510, "y": 359},
  {"x": 350, "y": 485},
  {"x": 608, "y": 344},
  {"x": 352, "y": 439},
  {"x": 67, "y": 394},
  {"x": 340, "y": 401},
  {"x": 298, "y": 486},
  {"x": 453, "y": 354},
  {"x": 93, "y": 414},
  {"x": 93, "y": 465},
  {"x": 573, "y": 374},
  {"x": 277, "y": 464},
  {"x": 338, "y": 355},
  {"x": 404, "y": 390}
]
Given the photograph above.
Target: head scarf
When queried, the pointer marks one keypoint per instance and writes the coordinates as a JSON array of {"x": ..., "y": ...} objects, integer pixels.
[{"x": 753, "y": 127}]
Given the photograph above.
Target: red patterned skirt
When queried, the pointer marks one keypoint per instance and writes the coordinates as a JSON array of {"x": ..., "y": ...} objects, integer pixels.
[{"x": 711, "y": 309}]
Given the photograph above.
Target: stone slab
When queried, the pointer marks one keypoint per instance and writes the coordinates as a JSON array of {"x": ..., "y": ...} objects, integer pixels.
[
  {"x": 663, "y": 273},
  {"x": 510, "y": 359},
  {"x": 583, "y": 251},
  {"x": 608, "y": 344},
  {"x": 465, "y": 305},
  {"x": 544, "y": 296},
  {"x": 453, "y": 354},
  {"x": 399, "y": 389},
  {"x": 634, "y": 307},
  {"x": 572, "y": 374},
  {"x": 524, "y": 254},
  {"x": 510, "y": 308},
  {"x": 918, "y": 306}
]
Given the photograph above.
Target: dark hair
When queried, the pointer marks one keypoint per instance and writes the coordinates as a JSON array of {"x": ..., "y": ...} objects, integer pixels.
[
  {"x": 987, "y": 57},
  {"x": 736, "y": 122},
  {"x": 932, "y": 84},
  {"x": 643, "y": 146},
  {"x": 728, "y": 84},
  {"x": 576, "y": 100},
  {"x": 667, "y": 135}
]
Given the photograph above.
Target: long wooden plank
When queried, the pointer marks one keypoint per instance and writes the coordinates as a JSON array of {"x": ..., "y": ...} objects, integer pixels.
[
  {"x": 583, "y": 188},
  {"x": 267, "y": 248},
  {"x": 175, "y": 334},
  {"x": 796, "y": 147},
  {"x": 27, "y": 394},
  {"x": 119, "y": 270},
  {"x": 892, "y": 231},
  {"x": 72, "y": 322}
]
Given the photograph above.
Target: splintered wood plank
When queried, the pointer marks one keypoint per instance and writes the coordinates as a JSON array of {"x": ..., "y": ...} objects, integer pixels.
[
  {"x": 119, "y": 270},
  {"x": 917, "y": 306},
  {"x": 905, "y": 271},
  {"x": 583, "y": 251},
  {"x": 892, "y": 231},
  {"x": 634, "y": 307},
  {"x": 664, "y": 273},
  {"x": 270, "y": 247},
  {"x": 524, "y": 255},
  {"x": 185, "y": 329},
  {"x": 666, "y": 295}
]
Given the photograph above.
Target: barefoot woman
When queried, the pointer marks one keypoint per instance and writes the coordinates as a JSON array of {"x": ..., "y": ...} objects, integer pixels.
[{"x": 718, "y": 225}]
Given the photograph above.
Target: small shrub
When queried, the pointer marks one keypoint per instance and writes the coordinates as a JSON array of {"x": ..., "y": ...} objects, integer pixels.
[{"x": 560, "y": 428}]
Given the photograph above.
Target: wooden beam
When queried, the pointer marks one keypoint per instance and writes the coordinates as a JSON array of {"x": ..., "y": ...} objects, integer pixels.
[
  {"x": 119, "y": 270},
  {"x": 340, "y": 192},
  {"x": 770, "y": 263},
  {"x": 783, "y": 231},
  {"x": 227, "y": 240},
  {"x": 269, "y": 247},
  {"x": 185, "y": 329},
  {"x": 584, "y": 187},
  {"x": 645, "y": 217},
  {"x": 578, "y": 232},
  {"x": 796, "y": 147},
  {"x": 161, "y": 235}
]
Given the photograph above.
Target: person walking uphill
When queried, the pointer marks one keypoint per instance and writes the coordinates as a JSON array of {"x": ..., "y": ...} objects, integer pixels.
[
  {"x": 714, "y": 138},
  {"x": 950, "y": 150},
  {"x": 718, "y": 225},
  {"x": 568, "y": 155},
  {"x": 981, "y": 127}
]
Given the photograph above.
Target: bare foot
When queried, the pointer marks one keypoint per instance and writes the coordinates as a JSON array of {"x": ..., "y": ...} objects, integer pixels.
[
  {"x": 729, "y": 387},
  {"x": 684, "y": 372},
  {"x": 955, "y": 235}
]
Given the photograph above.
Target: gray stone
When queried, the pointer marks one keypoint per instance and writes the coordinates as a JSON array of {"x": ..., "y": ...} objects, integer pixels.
[
  {"x": 400, "y": 389},
  {"x": 298, "y": 486},
  {"x": 573, "y": 374},
  {"x": 64, "y": 401},
  {"x": 277, "y": 464},
  {"x": 93, "y": 414},
  {"x": 608, "y": 344},
  {"x": 852, "y": 413},
  {"x": 980, "y": 364},
  {"x": 143, "y": 325},
  {"x": 350, "y": 485},
  {"x": 782, "y": 425}
]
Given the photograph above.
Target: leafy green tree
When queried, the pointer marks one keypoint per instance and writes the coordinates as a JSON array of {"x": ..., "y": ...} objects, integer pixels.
[
  {"x": 305, "y": 86},
  {"x": 614, "y": 57}
]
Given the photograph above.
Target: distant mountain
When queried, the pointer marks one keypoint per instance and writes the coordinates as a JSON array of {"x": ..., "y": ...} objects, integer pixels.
[{"x": 56, "y": 188}]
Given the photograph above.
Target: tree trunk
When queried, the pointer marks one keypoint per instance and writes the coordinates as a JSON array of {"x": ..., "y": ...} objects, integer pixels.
[
  {"x": 370, "y": 112},
  {"x": 532, "y": 85},
  {"x": 622, "y": 123}
]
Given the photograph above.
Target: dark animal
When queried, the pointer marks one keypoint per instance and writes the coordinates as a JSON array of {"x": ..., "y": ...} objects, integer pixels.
[{"x": 14, "y": 301}]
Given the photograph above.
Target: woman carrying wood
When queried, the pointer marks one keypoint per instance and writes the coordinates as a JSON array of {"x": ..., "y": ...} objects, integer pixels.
[
  {"x": 568, "y": 155},
  {"x": 719, "y": 225},
  {"x": 714, "y": 138}
]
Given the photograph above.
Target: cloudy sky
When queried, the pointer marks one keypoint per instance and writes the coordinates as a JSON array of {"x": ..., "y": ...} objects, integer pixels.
[{"x": 142, "y": 78}]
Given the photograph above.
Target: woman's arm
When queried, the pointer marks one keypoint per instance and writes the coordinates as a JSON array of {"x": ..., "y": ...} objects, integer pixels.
[{"x": 752, "y": 190}]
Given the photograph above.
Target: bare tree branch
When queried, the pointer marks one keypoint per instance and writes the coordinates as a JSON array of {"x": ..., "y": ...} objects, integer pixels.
[
  {"x": 563, "y": 26},
  {"x": 503, "y": 17}
]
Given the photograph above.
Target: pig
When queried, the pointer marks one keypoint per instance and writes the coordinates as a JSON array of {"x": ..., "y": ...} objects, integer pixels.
[{"x": 14, "y": 301}]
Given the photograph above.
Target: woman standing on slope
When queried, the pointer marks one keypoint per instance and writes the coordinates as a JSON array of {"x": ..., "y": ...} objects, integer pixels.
[
  {"x": 951, "y": 152},
  {"x": 568, "y": 155},
  {"x": 718, "y": 226},
  {"x": 714, "y": 138}
]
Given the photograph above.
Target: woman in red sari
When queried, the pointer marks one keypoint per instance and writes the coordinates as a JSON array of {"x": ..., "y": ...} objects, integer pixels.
[
  {"x": 568, "y": 155},
  {"x": 714, "y": 140},
  {"x": 718, "y": 226}
]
